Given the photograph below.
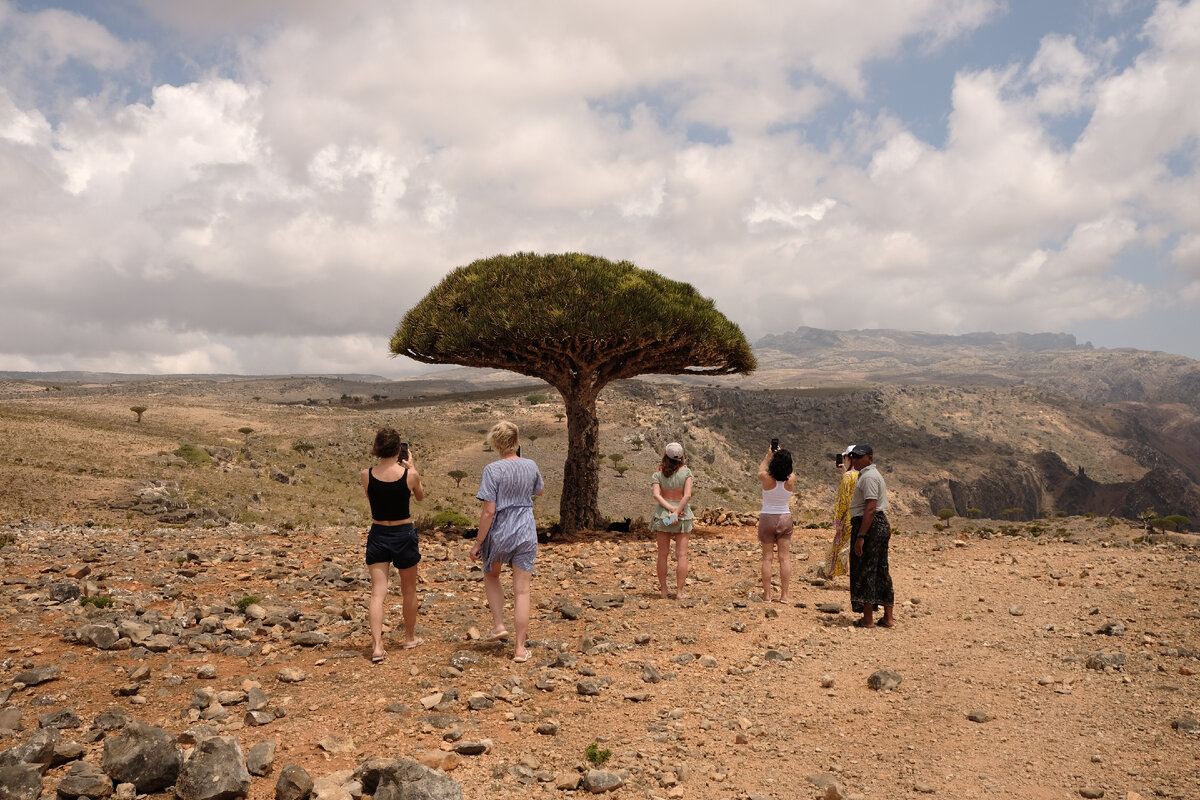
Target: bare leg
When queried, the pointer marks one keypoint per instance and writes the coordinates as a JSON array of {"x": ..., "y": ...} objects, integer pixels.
[
  {"x": 766, "y": 571},
  {"x": 408, "y": 589},
  {"x": 379, "y": 587},
  {"x": 681, "y": 565},
  {"x": 887, "y": 620},
  {"x": 521, "y": 582},
  {"x": 784, "y": 548},
  {"x": 495, "y": 597},
  {"x": 664, "y": 552}
]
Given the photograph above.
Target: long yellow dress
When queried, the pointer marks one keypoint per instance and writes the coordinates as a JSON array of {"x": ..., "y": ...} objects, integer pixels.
[{"x": 837, "y": 555}]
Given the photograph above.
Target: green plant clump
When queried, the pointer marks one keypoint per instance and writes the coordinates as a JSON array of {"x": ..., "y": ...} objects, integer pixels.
[
  {"x": 535, "y": 399},
  {"x": 196, "y": 456},
  {"x": 597, "y": 756},
  {"x": 7, "y": 538},
  {"x": 450, "y": 517},
  {"x": 99, "y": 601},
  {"x": 247, "y": 601}
]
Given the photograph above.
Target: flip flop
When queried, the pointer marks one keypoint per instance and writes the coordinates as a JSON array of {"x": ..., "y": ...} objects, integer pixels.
[
  {"x": 522, "y": 659},
  {"x": 496, "y": 636},
  {"x": 858, "y": 623},
  {"x": 377, "y": 659},
  {"x": 412, "y": 645}
]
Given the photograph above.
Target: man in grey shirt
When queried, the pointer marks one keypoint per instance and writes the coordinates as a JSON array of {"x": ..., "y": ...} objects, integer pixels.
[{"x": 870, "y": 578}]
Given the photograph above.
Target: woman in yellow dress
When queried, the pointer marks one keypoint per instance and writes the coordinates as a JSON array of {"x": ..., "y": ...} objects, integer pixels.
[{"x": 837, "y": 555}]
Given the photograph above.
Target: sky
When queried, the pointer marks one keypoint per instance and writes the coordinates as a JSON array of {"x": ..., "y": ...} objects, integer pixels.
[{"x": 267, "y": 187}]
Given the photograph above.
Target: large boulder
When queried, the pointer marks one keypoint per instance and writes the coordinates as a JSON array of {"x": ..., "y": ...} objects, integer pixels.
[
  {"x": 85, "y": 780},
  {"x": 20, "y": 782},
  {"x": 216, "y": 770},
  {"x": 141, "y": 754},
  {"x": 38, "y": 749},
  {"x": 405, "y": 779}
]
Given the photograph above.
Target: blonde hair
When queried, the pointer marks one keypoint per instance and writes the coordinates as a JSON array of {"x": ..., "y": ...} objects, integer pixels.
[{"x": 504, "y": 437}]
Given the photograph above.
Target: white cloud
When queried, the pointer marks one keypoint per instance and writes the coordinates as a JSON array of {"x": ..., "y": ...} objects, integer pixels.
[{"x": 288, "y": 208}]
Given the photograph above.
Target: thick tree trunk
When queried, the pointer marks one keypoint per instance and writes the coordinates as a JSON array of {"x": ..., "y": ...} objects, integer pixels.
[{"x": 580, "y": 507}]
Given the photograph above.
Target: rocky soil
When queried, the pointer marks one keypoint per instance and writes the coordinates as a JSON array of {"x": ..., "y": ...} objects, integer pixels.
[{"x": 1055, "y": 666}]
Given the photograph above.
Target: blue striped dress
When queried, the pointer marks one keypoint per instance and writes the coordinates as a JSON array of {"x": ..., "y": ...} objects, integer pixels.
[{"x": 510, "y": 483}]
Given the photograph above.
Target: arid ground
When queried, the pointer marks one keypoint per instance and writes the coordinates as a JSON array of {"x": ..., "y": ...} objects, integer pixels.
[{"x": 717, "y": 696}]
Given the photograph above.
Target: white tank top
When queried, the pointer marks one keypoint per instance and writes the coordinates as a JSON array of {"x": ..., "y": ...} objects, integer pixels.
[{"x": 775, "y": 501}]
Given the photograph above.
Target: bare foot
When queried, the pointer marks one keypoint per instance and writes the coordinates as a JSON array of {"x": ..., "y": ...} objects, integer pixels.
[
  {"x": 681, "y": 595},
  {"x": 414, "y": 643},
  {"x": 886, "y": 623},
  {"x": 864, "y": 623},
  {"x": 784, "y": 600},
  {"x": 664, "y": 594},
  {"x": 378, "y": 655}
]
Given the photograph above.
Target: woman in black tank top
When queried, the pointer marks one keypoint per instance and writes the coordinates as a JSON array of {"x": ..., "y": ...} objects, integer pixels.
[{"x": 389, "y": 485}]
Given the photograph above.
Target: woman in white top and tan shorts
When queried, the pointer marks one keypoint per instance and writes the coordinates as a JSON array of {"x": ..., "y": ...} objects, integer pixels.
[{"x": 775, "y": 519}]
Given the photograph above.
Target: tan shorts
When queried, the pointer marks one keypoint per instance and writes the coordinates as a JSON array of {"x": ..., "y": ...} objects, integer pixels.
[{"x": 773, "y": 527}]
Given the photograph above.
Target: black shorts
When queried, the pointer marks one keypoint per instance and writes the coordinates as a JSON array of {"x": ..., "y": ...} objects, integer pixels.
[{"x": 394, "y": 543}]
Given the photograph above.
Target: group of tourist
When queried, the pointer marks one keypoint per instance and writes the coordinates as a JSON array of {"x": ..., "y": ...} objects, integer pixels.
[{"x": 508, "y": 533}]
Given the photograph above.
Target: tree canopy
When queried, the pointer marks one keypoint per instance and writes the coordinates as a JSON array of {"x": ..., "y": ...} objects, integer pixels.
[
  {"x": 561, "y": 316},
  {"x": 578, "y": 322}
]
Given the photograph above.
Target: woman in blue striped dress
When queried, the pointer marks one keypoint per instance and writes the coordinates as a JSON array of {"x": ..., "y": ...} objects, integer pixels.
[{"x": 507, "y": 531}]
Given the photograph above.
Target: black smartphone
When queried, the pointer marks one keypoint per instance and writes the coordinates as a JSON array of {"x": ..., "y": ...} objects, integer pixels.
[
  {"x": 404, "y": 451},
  {"x": 518, "y": 451},
  {"x": 774, "y": 445},
  {"x": 840, "y": 459}
]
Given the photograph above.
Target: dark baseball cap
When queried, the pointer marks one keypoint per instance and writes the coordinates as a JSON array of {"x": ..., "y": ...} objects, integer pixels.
[{"x": 862, "y": 450}]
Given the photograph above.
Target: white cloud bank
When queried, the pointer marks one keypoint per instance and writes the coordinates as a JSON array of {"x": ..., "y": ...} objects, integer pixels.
[{"x": 281, "y": 210}]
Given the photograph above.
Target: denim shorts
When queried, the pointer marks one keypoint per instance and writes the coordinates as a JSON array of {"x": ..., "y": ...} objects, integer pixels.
[{"x": 394, "y": 543}]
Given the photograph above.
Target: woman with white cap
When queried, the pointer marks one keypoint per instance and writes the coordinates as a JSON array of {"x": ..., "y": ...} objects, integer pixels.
[
  {"x": 672, "y": 489},
  {"x": 837, "y": 555}
]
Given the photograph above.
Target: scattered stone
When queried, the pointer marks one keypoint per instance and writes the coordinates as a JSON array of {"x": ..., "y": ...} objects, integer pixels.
[
  {"x": 567, "y": 781},
  {"x": 439, "y": 759},
  {"x": 1186, "y": 725},
  {"x": 979, "y": 716},
  {"x": 64, "y": 591},
  {"x": 548, "y": 728},
  {"x": 884, "y": 680},
  {"x": 650, "y": 674},
  {"x": 830, "y": 608},
  {"x": 469, "y": 748},
  {"x": 598, "y": 781},
  {"x": 294, "y": 783},
  {"x": 10, "y": 719},
  {"x": 569, "y": 610},
  {"x": 61, "y": 719},
  {"x": 478, "y": 701},
  {"x": 588, "y": 688},
  {"x": 1017, "y": 611},
  {"x": 1111, "y": 629},
  {"x": 826, "y": 681},
  {"x": 291, "y": 675},
  {"x": 1091, "y": 792},
  {"x": 260, "y": 758},
  {"x": 1099, "y": 661},
  {"x": 38, "y": 675},
  {"x": 337, "y": 744},
  {"x": 85, "y": 780},
  {"x": 141, "y": 754}
]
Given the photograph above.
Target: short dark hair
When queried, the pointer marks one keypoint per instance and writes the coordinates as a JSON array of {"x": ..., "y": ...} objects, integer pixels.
[
  {"x": 781, "y": 465},
  {"x": 387, "y": 443}
]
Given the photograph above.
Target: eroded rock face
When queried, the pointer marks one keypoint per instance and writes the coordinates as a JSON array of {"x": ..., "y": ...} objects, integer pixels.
[
  {"x": 216, "y": 770},
  {"x": 141, "y": 754}
]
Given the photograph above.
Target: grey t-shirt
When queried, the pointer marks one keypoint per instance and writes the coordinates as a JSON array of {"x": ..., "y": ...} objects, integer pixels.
[{"x": 870, "y": 486}]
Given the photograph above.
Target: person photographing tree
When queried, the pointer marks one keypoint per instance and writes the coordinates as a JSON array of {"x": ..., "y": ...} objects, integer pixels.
[{"x": 870, "y": 578}]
